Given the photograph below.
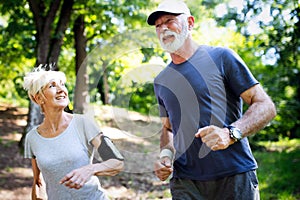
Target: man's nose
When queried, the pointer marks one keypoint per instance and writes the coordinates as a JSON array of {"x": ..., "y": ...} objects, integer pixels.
[{"x": 163, "y": 27}]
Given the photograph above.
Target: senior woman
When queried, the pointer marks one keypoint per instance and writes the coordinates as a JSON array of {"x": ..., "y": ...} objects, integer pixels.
[{"x": 63, "y": 145}]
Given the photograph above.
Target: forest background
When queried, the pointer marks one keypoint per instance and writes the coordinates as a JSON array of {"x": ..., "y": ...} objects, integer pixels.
[{"x": 110, "y": 56}]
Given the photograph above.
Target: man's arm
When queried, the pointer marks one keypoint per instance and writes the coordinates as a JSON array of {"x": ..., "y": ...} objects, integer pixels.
[
  {"x": 260, "y": 112},
  {"x": 166, "y": 138},
  {"x": 163, "y": 167}
]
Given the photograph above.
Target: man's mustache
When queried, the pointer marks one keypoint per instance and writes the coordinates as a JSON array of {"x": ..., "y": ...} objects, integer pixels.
[{"x": 167, "y": 33}]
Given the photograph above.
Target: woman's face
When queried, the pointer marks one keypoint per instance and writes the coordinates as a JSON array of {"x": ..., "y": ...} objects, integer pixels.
[{"x": 55, "y": 94}]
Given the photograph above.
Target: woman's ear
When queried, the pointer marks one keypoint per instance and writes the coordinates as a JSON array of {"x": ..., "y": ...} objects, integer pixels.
[{"x": 39, "y": 99}]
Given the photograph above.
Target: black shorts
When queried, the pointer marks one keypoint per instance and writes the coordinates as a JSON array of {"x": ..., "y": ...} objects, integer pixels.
[{"x": 238, "y": 187}]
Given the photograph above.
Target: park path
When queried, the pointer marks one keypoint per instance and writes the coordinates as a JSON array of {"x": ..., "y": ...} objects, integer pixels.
[{"x": 138, "y": 140}]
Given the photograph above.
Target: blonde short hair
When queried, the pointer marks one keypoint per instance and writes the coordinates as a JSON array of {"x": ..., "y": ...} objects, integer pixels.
[{"x": 34, "y": 82}]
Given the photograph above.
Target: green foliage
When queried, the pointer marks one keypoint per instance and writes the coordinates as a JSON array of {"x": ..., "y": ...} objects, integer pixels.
[
  {"x": 122, "y": 58},
  {"x": 285, "y": 83},
  {"x": 116, "y": 28},
  {"x": 274, "y": 45},
  {"x": 141, "y": 99},
  {"x": 278, "y": 171},
  {"x": 103, "y": 19},
  {"x": 16, "y": 46}
]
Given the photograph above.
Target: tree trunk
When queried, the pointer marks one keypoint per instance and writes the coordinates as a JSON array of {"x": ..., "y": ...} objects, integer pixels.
[
  {"x": 47, "y": 48},
  {"x": 103, "y": 87},
  {"x": 106, "y": 88},
  {"x": 81, "y": 98}
]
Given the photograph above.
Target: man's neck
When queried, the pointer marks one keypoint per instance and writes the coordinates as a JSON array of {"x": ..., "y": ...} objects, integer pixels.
[{"x": 185, "y": 52}]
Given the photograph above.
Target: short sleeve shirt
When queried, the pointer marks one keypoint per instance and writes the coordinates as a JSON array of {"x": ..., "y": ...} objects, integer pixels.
[
  {"x": 58, "y": 156},
  {"x": 205, "y": 90}
]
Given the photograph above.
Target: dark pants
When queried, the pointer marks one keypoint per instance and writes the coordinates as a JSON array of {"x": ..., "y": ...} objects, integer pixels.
[{"x": 238, "y": 187}]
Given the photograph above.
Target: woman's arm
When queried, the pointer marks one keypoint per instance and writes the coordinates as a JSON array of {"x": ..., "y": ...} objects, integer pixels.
[
  {"x": 78, "y": 177},
  {"x": 110, "y": 167},
  {"x": 36, "y": 173}
]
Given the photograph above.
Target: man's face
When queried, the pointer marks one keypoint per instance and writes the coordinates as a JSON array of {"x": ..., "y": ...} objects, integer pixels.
[{"x": 172, "y": 31}]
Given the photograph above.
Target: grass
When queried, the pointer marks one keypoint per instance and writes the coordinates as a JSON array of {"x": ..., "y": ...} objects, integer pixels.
[{"x": 279, "y": 170}]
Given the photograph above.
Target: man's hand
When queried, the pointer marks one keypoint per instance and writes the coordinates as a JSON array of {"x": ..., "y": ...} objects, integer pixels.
[
  {"x": 163, "y": 168},
  {"x": 214, "y": 137}
]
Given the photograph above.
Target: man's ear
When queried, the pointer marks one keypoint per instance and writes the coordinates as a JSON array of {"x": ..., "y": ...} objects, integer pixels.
[{"x": 191, "y": 22}]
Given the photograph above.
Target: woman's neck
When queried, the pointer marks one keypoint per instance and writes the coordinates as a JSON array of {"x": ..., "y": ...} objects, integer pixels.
[{"x": 54, "y": 123}]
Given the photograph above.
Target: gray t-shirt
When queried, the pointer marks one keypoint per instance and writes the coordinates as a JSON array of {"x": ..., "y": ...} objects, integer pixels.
[{"x": 58, "y": 156}]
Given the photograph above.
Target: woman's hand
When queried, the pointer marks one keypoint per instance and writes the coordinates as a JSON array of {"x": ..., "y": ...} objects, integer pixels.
[
  {"x": 38, "y": 182},
  {"x": 78, "y": 177}
]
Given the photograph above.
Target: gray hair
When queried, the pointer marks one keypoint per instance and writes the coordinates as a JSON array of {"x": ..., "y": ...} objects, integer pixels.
[{"x": 34, "y": 82}]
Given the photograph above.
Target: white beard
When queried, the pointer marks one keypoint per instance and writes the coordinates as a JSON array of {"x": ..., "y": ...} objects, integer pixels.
[{"x": 179, "y": 40}]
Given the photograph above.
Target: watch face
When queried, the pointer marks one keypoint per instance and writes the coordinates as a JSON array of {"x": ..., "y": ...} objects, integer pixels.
[{"x": 237, "y": 134}]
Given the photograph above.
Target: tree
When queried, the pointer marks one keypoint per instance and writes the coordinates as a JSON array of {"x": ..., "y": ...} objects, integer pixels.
[
  {"x": 50, "y": 31},
  {"x": 48, "y": 21},
  {"x": 276, "y": 44},
  {"x": 16, "y": 48},
  {"x": 105, "y": 20},
  {"x": 81, "y": 95}
]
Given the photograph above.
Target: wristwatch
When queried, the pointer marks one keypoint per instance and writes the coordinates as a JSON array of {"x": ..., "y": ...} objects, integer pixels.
[{"x": 235, "y": 133}]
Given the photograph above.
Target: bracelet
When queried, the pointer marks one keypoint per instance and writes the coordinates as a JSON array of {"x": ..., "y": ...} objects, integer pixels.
[{"x": 166, "y": 153}]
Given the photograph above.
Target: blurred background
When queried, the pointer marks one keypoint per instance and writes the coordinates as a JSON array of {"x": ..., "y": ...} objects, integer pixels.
[{"x": 110, "y": 56}]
